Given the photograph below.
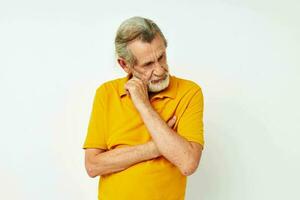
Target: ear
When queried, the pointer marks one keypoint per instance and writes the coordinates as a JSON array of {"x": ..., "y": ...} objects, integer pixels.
[{"x": 124, "y": 65}]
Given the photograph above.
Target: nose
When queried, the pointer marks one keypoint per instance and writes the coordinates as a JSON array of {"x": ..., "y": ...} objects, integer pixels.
[{"x": 159, "y": 70}]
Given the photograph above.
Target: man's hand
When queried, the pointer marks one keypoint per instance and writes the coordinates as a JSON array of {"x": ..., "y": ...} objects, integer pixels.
[
  {"x": 138, "y": 91},
  {"x": 172, "y": 121}
]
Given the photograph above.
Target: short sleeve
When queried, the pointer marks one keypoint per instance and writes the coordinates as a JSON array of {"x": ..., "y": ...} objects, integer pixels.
[
  {"x": 95, "y": 136},
  {"x": 190, "y": 125}
]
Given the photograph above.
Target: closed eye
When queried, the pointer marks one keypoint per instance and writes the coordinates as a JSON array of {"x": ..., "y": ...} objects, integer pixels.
[
  {"x": 148, "y": 63},
  {"x": 160, "y": 57},
  {"x": 151, "y": 62}
]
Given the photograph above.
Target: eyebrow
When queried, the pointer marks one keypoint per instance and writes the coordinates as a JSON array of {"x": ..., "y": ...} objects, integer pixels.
[{"x": 149, "y": 62}]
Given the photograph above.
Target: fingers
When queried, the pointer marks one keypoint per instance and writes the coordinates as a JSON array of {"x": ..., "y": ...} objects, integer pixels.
[
  {"x": 140, "y": 80},
  {"x": 172, "y": 121},
  {"x": 135, "y": 84},
  {"x": 127, "y": 92}
]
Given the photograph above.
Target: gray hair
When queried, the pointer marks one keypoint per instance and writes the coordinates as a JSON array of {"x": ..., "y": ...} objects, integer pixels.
[{"x": 135, "y": 28}]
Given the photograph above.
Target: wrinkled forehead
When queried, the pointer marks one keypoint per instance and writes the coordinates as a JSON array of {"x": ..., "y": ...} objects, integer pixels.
[{"x": 144, "y": 51}]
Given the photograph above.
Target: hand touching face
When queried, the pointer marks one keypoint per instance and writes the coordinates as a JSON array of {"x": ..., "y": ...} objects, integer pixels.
[{"x": 138, "y": 91}]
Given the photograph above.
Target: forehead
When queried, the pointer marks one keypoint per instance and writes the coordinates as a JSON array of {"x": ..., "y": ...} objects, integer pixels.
[{"x": 144, "y": 51}]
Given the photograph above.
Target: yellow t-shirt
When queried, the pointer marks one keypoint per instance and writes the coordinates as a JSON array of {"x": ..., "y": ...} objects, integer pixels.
[{"x": 114, "y": 122}]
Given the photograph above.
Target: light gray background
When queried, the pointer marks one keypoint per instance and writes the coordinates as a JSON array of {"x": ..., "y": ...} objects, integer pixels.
[{"x": 244, "y": 55}]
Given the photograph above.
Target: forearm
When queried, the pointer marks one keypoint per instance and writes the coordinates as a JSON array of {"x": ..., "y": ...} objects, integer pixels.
[
  {"x": 121, "y": 158},
  {"x": 171, "y": 145}
]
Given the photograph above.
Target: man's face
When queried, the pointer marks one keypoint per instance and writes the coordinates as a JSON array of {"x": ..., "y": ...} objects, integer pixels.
[{"x": 151, "y": 64}]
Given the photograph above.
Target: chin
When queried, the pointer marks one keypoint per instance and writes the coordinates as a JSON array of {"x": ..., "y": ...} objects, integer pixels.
[{"x": 157, "y": 87}]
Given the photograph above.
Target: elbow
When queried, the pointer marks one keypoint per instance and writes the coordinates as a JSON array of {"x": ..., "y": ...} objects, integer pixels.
[
  {"x": 190, "y": 168},
  {"x": 93, "y": 163},
  {"x": 187, "y": 171},
  {"x": 191, "y": 163},
  {"x": 91, "y": 173},
  {"x": 90, "y": 169}
]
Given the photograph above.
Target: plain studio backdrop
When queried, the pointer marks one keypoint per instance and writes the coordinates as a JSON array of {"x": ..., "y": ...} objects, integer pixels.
[{"x": 243, "y": 54}]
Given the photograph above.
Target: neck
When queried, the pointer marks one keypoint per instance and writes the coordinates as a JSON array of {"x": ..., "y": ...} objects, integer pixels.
[{"x": 151, "y": 94}]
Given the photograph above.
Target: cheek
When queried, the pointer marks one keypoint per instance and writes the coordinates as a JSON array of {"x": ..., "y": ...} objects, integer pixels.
[
  {"x": 166, "y": 67},
  {"x": 145, "y": 74},
  {"x": 164, "y": 64}
]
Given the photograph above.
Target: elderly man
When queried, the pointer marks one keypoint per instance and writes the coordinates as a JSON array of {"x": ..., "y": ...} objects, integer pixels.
[{"x": 145, "y": 134}]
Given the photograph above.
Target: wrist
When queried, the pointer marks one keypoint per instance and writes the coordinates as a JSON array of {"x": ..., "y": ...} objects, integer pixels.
[
  {"x": 153, "y": 149},
  {"x": 144, "y": 108}
]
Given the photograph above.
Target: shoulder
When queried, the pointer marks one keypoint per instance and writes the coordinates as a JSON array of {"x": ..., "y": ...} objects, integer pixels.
[
  {"x": 109, "y": 87},
  {"x": 186, "y": 85},
  {"x": 189, "y": 91}
]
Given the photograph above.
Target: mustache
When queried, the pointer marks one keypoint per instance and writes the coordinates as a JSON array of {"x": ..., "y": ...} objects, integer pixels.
[{"x": 158, "y": 80}]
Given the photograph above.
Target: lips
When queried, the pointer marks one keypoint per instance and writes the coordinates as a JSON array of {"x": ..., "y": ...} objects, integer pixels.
[{"x": 156, "y": 81}]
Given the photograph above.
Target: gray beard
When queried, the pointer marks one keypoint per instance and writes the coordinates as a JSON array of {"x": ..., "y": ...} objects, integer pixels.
[{"x": 157, "y": 87}]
